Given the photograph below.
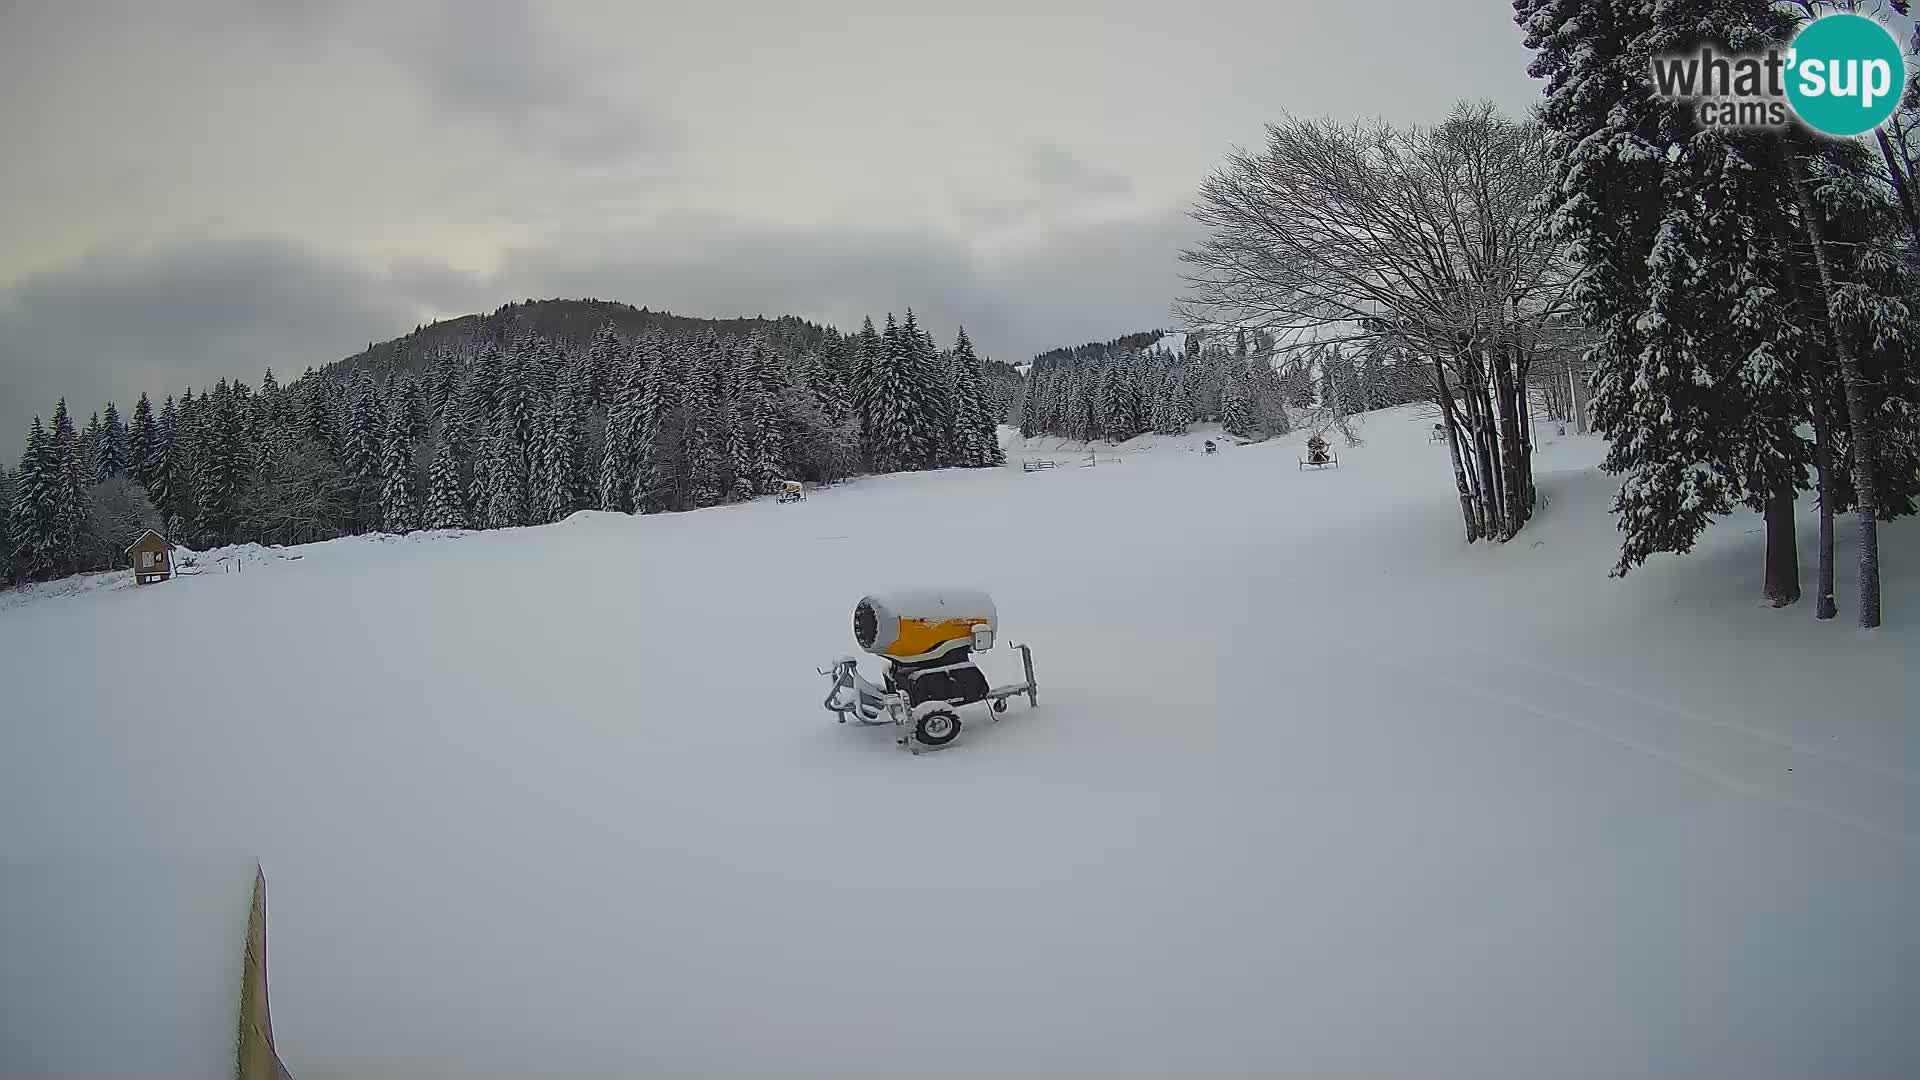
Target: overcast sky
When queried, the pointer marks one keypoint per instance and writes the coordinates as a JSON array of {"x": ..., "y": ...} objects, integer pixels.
[{"x": 194, "y": 189}]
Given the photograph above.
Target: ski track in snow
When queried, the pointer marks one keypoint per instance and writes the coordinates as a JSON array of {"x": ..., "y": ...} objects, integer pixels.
[
  {"x": 1701, "y": 769},
  {"x": 1833, "y": 756}
]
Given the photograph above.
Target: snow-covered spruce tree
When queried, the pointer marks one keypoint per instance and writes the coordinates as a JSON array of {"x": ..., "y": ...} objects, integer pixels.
[
  {"x": 1033, "y": 392},
  {"x": 443, "y": 387},
  {"x": 480, "y": 392},
  {"x": 662, "y": 430},
  {"x": 547, "y": 478},
  {"x": 753, "y": 437},
  {"x": 141, "y": 439},
  {"x": 925, "y": 404},
  {"x": 1143, "y": 382},
  {"x": 163, "y": 466},
  {"x": 1372, "y": 383},
  {"x": 70, "y": 499},
  {"x": 605, "y": 356},
  {"x": 89, "y": 458},
  {"x": 1053, "y": 402},
  {"x": 619, "y": 445},
  {"x": 323, "y": 407},
  {"x": 1069, "y": 414},
  {"x": 702, "y": 445},
  {"x": 869, "y": 356},
  {"x": 361, "y": 436},
  {"x": 950, "y": 453},
  {"x": 519, "y": 394},
  {"x": 1862, "y": 384},
  {"x": 503, "y": 501},
  {"x": 38, "y": 548},
  {"x": 832, "y": 391},
  {"x": 267, "y": 409},
  {"x": 977, "y": 431},
  {"x": 446, "y": 496},
  {"x": 1267, "y": 397},
  {"x": 1169, "y": 405},
  {"x": 1087, "y": 401},
  {"x": 110, "y": 450},
  {"x": 7, "y": 484},
  {"x": 891, "y": 433},
  {"x": 405, "y": 402},
  {"x": 579, "y": 481},
  {"x": 399, "y": 494},
  {"x": 1299, "y": 387},
  {"x": 1236, "y": 413},
  {"x": 1109, "y": 406},
  {"x": 1691, "y": 386},
  {"x": 1339, "y": 392},
  {"x": 220, "y": 468},
  {"x": 1730, "y": 183}
]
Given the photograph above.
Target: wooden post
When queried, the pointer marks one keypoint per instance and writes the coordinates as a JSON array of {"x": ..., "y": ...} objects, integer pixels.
[{"x": 256, "y": 1058}]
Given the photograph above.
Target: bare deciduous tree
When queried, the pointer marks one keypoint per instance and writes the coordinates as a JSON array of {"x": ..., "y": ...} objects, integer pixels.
[{"x": 1430, "y": 240}]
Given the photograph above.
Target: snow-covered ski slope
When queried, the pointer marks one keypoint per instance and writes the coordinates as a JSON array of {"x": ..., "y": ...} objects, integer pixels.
[{"x": 1314, "y": 789}]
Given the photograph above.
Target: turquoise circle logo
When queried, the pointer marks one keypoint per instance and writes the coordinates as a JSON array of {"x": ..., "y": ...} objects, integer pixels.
[{"x": 1846, "y": 74}]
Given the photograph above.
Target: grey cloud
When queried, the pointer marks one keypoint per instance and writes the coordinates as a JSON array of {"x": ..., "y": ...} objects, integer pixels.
[
  {"x": 294, "y": 22},
  {"x": 109, "y": 326},
  {"x": 1053, "y": 167},
  {"x": 1057, "y": 183},
  {"x": 701, "y": 264},
  {"x": 1068, "y": 284},
  {"x": 498, "y": 65}
]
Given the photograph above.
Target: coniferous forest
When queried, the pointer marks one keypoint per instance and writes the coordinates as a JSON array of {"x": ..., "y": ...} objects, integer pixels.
[
  {"x": 522, "y": 417},
  {"x": 1133, "y": 385}
]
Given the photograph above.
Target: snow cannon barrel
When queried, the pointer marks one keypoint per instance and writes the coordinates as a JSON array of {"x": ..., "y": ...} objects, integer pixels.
[{"x": 920, "y": 624}]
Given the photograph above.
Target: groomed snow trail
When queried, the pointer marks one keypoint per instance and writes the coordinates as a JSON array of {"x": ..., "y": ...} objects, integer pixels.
[{"x": 1314, "y": 789}]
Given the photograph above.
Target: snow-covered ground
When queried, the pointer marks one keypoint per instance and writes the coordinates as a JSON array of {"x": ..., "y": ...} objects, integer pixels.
[{"x": 1313, "y": 789}]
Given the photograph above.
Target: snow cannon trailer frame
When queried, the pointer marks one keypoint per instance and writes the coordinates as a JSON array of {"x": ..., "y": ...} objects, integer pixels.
[
  {"x": 1319, "y": 455},
  {"x": 927, "y": 639}
]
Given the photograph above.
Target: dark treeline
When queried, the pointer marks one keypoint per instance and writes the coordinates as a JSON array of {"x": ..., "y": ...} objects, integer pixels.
[
  {"x": 518, "y": 418},
  {"x": 1133, "y": 385}
]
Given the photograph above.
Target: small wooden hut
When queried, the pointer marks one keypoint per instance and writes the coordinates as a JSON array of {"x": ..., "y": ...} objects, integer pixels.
[{"x": 151, "y": 557}]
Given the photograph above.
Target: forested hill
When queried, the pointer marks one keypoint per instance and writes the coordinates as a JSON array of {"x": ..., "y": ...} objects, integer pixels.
[
  {"x": 520, "y": 417},
  {"x": 1125, "y": 343},
  {"x": 571, "y": 324}
]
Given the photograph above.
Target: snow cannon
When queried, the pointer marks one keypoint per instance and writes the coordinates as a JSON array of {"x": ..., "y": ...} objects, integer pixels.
[
  {"x": 926, "y": 639},
  {"x": 914, "y": 625}
]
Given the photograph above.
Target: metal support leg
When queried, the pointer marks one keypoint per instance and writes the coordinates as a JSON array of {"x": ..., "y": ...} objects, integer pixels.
[{"x": 1033, "y": 688}]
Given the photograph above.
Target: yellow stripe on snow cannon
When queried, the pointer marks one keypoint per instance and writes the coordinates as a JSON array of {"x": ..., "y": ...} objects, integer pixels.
[{"x": 915, "y": 624}]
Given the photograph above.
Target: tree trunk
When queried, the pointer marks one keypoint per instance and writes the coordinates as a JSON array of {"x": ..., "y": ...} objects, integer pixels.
[
  {"x": 1517, "y": 380},
  {"x": 1472, "y": 407},
  {"x": 1783, "y": 549},
  {"x": 1823, "y": 606},
  {"x": 1898, "y": 176},
  {"x": 1486, "y": 454},
  {"x": 1513, "y": 451},
  {"x": 1445, "y": 398},
  {"x": 1862, "y": 441},
  {"x": 1577, "y": 386}
]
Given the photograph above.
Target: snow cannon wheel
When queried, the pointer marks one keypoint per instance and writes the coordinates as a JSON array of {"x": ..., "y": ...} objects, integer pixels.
[
  {"x": 1000, "y": 704},
  {"x": 937, "y": 727}
]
